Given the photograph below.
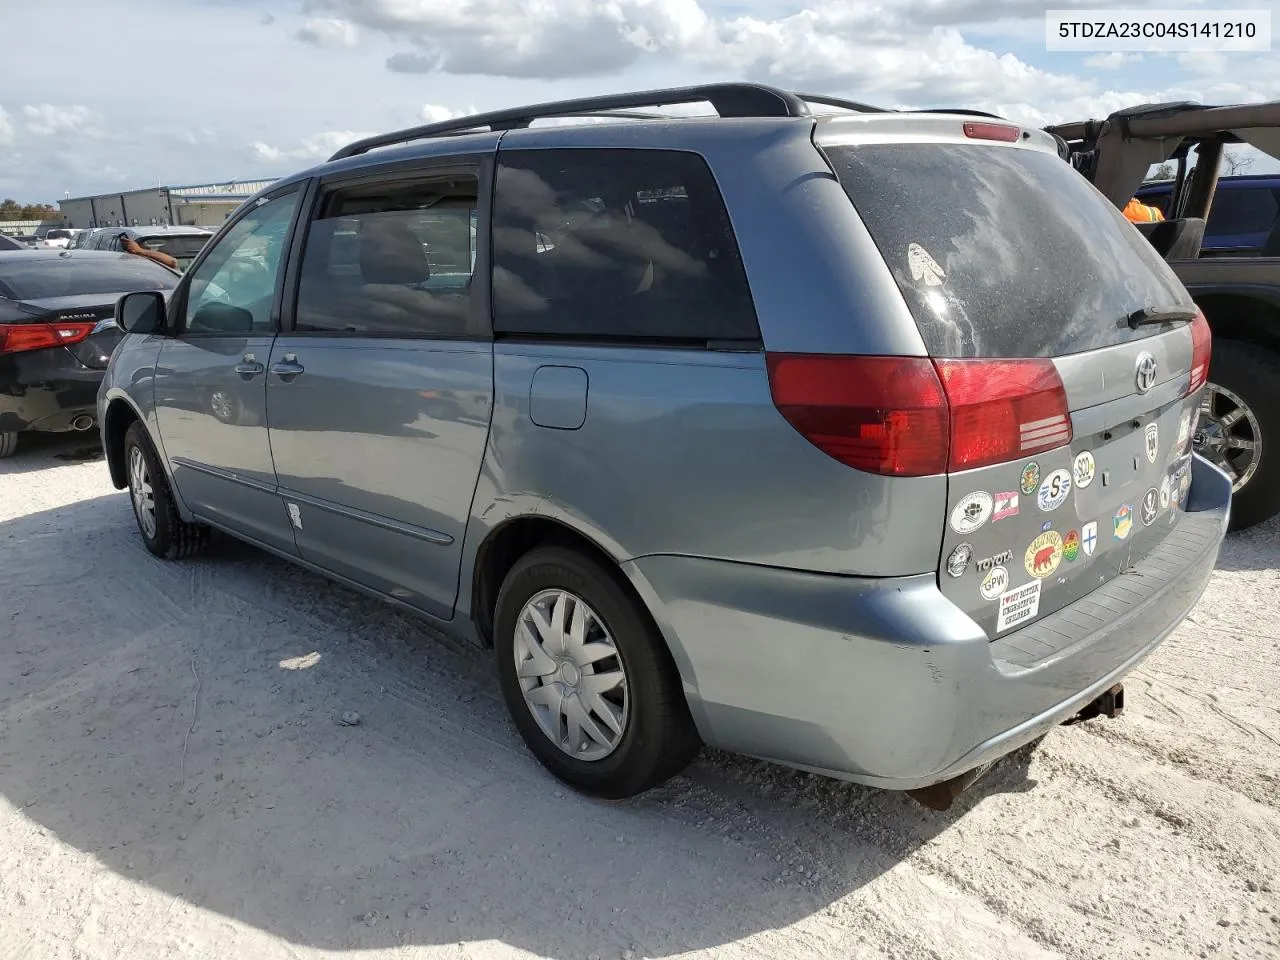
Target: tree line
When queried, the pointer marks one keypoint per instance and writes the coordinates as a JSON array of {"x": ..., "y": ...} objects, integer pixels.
[{"x": 13, "y": 210}]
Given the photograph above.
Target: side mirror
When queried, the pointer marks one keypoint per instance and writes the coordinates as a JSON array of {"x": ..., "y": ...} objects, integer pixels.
[{"x": 141, "y": 312}]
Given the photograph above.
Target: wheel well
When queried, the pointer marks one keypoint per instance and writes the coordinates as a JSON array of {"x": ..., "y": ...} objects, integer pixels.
[
  {"x": 506, "y": 545},
  {"x": 1235, "y": 316},
  {"x": 119, "y": 417}
]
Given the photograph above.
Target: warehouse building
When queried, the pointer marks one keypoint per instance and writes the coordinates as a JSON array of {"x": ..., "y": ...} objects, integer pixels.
[{"x": 201, "y": 205}]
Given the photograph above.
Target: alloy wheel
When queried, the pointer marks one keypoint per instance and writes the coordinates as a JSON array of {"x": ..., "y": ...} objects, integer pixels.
[
  {"x": 1228, "y": 435},
  {"x": 140, "y": 490},
  {"x": 571, "y": 674}
]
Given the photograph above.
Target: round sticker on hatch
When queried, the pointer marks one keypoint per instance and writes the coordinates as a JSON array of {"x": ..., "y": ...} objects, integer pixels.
[
  {"x": 994, "y": 583},
  {"x": 924, "y": 269},
  {"x": 1030, "y": 478},
  {"x": 972, "y": 512},
  {"x": 958, "y": 562},
  {"x": 1166, "y": 491},
  {"x": 1044, "y": 555},
  {"x": 1084, "y": 469},
  {"x": 1054, "y": 490}
]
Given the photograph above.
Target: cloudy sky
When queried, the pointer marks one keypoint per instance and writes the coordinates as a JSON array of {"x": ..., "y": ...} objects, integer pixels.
[{"x": 106, "y": 96}]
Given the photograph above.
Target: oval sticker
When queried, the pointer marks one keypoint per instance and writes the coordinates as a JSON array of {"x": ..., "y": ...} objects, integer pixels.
[
  {"x": 1084, "y": 469},
  {"x": 972, "y": 512},
  {"x": 994, "y": 583},
  {"x": 1044, "y": 554},
  {"x": 1054, "y": 490}
]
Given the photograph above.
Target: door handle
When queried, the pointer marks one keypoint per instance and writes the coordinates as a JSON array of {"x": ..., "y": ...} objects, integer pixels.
[
  {"x": 288, "y": 368},
  {"x": 249, "y": 366}
]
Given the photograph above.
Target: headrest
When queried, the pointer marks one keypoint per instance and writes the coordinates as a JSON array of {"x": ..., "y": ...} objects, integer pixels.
[{"x": 391, "y": 253}]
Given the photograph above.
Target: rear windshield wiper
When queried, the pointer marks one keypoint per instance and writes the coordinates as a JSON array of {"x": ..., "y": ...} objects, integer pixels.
[{"x": 1149, "y": 315}]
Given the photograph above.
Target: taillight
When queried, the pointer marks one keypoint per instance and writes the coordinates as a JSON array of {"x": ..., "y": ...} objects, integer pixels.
[
  {"x": 912, "y": 417},
  {"x": 884, "y": 415},
  {"x": 1003, "y": 409},
  {"x": 1201, "y": 352},
  {"x": 992, "y": 131},
  {"x": 20, "y": 337}
]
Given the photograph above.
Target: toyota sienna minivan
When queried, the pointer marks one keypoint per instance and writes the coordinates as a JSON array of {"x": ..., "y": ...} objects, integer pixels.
[{"x": 850, "y": 439}]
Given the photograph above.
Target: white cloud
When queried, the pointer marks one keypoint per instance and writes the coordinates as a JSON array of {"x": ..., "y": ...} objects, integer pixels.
[
  {"x": 46, "y": 119},
  {"x": 1111, "y": 61},
  {"x": 434, "y": 113},
  {"x": 7, "y": 138},
  {"x": 882, "y": 48},
  {"x": 328, "y": 32},
  {"x": 319, "y": 146}
]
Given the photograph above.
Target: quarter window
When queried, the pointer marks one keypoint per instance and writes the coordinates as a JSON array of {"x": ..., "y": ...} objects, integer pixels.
[
  {"x": 632, "y": 244},
  {"x": 394, "y": 259}
]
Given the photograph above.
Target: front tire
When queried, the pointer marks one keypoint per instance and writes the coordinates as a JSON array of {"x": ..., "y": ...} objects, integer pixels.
[
  {"x": 8, "y": 443},
  {"x": 587, "y": 677},
  {"x": 1239, "y": 427},
  {"x": 162, "y": 528}
]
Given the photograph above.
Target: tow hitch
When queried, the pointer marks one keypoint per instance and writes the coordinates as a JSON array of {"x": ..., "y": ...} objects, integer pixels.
[
  {"x": 1109, "y": 704},
  {"x": 940, "y": 796}
]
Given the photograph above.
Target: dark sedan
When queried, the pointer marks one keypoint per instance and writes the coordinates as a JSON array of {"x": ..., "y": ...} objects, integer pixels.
[{"x": 57, "y": 332}]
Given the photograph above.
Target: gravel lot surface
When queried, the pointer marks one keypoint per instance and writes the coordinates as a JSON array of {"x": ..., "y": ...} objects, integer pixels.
[{"x": 175, "y": 781}]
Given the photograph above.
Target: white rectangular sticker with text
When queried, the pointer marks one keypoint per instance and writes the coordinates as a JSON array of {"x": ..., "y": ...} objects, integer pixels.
[{"x": 1018, "y": 605}]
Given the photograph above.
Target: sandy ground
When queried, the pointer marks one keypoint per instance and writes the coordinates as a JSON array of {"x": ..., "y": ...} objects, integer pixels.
[{"x": 173, "y": 783}]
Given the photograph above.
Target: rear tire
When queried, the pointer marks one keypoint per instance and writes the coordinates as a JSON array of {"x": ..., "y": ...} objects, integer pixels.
[
  {"x": 8, "y": 443},
  {"x": 1249, "y": 375},
  {"x": 650, "y": 736},
  {"x": 162, "y": 528}
]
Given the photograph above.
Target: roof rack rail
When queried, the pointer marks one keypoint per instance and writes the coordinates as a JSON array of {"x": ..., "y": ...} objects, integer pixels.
[
  {"x": 842, "y": 103},
  {"x": 962, "y": 112},
  {"x": 728, "y": 99}
]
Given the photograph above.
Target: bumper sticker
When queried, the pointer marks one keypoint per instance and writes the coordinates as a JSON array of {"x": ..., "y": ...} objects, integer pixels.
[
  {"x": 1084, "y": 469},
  {"x": 958, "y": 562},
  {"x": 1006, "y": 505},
  {"x": 1122, "y": 522},
  {"x": 1089, "y": 538},
  {"x": 1054, "y": 491},
  {"x": 1153, "y": 442},
  {"x": 994, "y": 583},
  {"x": 1030, "y": 478},
  {"x": 1018, "y": 605},
  {"x": 971, "y": 512},
  {"x": 1044, "y": 555},
  {"x": 1150, "y": 506},
  {"x": 1071, "y": 546}
]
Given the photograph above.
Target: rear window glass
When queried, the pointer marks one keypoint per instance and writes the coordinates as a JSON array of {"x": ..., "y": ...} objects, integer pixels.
[
  {"x": 599, "y": 244},
  {"x": 39, "y": 278},
  {"x": 1003, "y": 252},
  {"x": 179, "y": 247}
]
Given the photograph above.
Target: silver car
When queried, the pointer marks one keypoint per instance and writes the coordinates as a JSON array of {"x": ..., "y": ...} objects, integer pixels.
[{"x": 854, "y": 440}]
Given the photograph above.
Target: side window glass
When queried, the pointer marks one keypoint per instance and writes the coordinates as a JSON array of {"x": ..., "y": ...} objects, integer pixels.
[
  {"x": 1241, "y": 210},
  {"x": 616, "y": 243},
  {"x": 232, "y": 290},
  {"x": 393, "y": 259}
]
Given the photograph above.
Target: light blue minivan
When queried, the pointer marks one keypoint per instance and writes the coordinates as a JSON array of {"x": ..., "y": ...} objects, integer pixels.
[{"x": 855, "y": 440}]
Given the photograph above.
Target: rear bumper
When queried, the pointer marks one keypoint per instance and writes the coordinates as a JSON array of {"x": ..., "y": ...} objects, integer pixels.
[
  {"x": 885, "y": 681},
  {"x": 46, "y": 390}
]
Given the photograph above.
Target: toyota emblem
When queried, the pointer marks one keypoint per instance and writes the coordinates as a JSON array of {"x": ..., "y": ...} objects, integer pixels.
[{"x": 1146, "y": 377}]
